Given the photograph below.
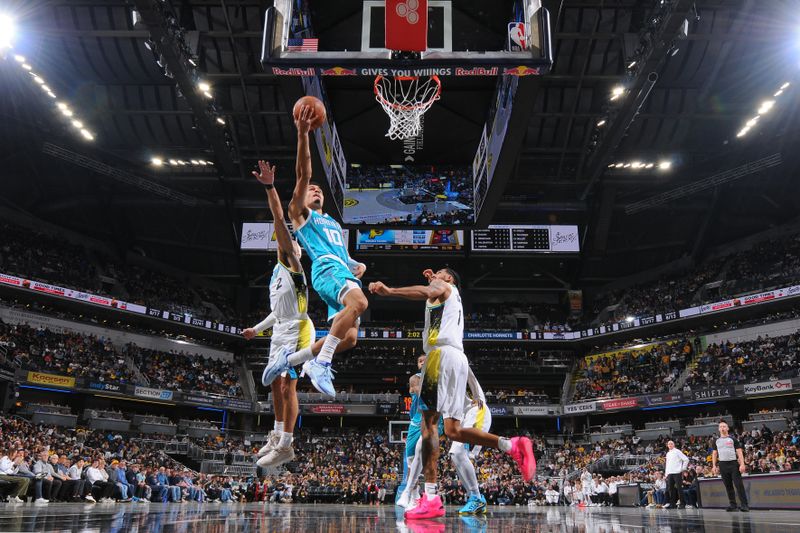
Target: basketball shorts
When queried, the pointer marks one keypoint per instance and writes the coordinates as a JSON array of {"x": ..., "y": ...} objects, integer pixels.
[
  {"x": 413, "y": 435},
  {"x": 293, "y": 336},
  {"x": 478, "y": 418},
  {"x": 332, "y": 281},
  {"x": 444, "y": 382}
]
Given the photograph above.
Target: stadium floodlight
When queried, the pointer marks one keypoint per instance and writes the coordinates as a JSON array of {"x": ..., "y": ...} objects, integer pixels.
[
  {"x": 203, "y": 86},
  {"x": 51, "y": 94},
  {"x": 202, "y": 162},
  {"x": 665, "y": 165},
  {"x": 766, "y": 106},
  {"x": 743, "y": 132},
  {"x": 617, "y": 91},
  {"x": 221, "y": 120},
  {"x": 27, "y": 66},
  {"x": 619, "y": 165},
  {"x": 629, "y": 319},
  {"x": 7, "y": 31},
  {"x": 649, "y": 165},
  {"x": 601, "y": 122},
  {"x": 194, "y": 161},
  {"x": 87, "y": 135},
  {"x": 173, "y": 162},
  {"x": 784, "y": 86},
  {"x": 157, "y": 161},
  {"x": 637, "y": 164},
  {"x": 78, "y": 124},
  {"x": 19, "y": 59},
  {"x": 780, "y": 92}
]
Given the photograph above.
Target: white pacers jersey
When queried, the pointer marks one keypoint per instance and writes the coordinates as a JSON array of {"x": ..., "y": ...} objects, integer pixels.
[
  {"x": 288, "y": 297},
  {"x": 444, "y": 323}
]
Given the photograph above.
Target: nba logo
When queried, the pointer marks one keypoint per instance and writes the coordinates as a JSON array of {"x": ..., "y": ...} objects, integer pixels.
[{"x": 517, "y": 36}]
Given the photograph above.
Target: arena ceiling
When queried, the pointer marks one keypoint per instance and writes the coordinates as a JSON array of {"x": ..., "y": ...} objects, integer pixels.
[{"x": 709, "y": 83}]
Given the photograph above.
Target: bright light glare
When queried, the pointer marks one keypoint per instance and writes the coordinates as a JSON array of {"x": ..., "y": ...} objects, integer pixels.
[
  {"x": 77, "y": 123},
  {"x": 766, "y": 106},
  {"x": 629, "y": 319},
  {"x": 620, "y": 165},
  {"x": 780, "y": 92},
  {"x": 637, "y": 164},
  {"x": 743, "y": 132},
  {"x": 173, "y": 162},
  {"x": 7, "y": 31},
  {"x": 204, "y": 86},
  {"x": 207, "y": 94},
  {"x": 221, "y": 120},
  {"x": 617, "y": 91},
  {"x": 19, "y": 59},
  {"x": 38, "y": 80},
  {"x": 665, "y": 165},
  {"x": 649, "y": 165},
  {"x": 157, "y": 161},
  {"x": 785, "y": 86},
  {"x": 67, "y": 112},
  {"x": 202, "y": 162},
  {"x": 194, "y": 161},
  {"x": 61, "y": 105},
  {"x": 86, "y": 135},
  {"x": 26, "y": 66},
  {"x": 601, "y": 122},
  {"x": 752, "y": 122}
]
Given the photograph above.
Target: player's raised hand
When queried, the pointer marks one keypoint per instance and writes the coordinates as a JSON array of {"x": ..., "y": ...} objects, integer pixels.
[
  {"x": 265, "y": 173},
  {"x": 304, "y": 121},
  {"x": 379, "y": 288},
  {"x": 428, "y": 273}
]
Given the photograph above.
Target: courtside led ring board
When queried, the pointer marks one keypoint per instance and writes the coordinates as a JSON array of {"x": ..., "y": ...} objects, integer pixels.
[{"x": 363, "y": 38}]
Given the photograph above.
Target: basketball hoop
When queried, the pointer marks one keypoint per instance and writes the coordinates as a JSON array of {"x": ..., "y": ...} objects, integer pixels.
[{"x": 405, "y": 99}]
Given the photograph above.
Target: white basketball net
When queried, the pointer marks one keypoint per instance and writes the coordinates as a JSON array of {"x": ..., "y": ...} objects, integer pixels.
[{"x": 405, "y": 99}]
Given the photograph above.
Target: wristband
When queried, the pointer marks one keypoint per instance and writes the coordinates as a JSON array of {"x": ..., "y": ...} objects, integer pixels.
[{"x": 269, "y": 186}]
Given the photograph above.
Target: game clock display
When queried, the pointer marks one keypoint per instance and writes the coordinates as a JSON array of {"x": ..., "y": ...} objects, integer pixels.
[{"x": 534, "y": 239}]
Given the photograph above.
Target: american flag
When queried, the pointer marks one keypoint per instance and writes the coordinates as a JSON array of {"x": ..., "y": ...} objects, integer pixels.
[{"x": 302, "y": 45}]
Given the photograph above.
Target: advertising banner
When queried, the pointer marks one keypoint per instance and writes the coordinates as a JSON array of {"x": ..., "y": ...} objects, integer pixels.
[
  {"x": 764, "y": 491},
  {"x": 327, "y": 409},
  {"x": 664, "y": 399},
  {"x": 51, "y": 379},
  {"x": 713, "y": 393},
  {"x": 110, "y": 387},
  {"x": 532, "y": 410},
  {"x": 585, "y": 407},
  {"x": 499, "y": 410},
  {"x": 768, "y": 387},
  {"x": 621, "y": 403},
  {"x": 237, "y": 404}
]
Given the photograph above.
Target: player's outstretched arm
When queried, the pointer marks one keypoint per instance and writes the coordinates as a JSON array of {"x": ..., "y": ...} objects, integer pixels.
[
  {"x": 297, "y": 206},
  {"x": 435, "y": 290},
  {"x": 265, "y": 324},
  {"x": 266, "y": 176}
]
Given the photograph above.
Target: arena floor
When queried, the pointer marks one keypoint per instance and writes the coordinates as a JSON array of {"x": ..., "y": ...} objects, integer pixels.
[{"x": 252, "y": 517}]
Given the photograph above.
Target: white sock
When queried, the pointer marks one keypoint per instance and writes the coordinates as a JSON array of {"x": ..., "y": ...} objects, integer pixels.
[
  {"x": 466, "y": 472},
  {"x": 300, "y": 357},
  {"x": 415, "y": 469},
  {"x": 504, "y": 444},
  {"x": 278, "y": 426},
  {"x": 286, "y": 440},
  {"x": 430, "y": 489},
  {"x": 326, "y": 353}
]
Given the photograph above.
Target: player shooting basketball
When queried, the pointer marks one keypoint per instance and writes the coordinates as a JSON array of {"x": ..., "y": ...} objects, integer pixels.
[
  {"x": 334, "y": 274},
  {"x": 444, "y": 383}
]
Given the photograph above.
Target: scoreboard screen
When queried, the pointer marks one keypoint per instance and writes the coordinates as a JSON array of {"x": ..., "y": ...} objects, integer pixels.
[
  {"x": 420, "y": 240},
  {"x": 532, "y": 239}
]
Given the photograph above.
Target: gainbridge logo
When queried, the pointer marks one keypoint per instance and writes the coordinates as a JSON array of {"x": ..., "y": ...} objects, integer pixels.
[
  {"x": 375, "y": 233},
  {"x": 350, "y": 202}
]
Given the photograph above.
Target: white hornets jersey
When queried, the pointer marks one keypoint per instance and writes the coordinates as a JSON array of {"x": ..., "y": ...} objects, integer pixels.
[
  {"x": 288, "y": 294},
  {"x": 444, "y": 323}
]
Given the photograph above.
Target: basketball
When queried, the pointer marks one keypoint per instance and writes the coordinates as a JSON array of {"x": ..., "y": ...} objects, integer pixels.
[{"x": 319, "y": 109}]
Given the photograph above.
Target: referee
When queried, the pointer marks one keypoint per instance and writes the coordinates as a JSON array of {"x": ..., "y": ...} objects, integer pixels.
[{"x": 731, "y": 467}]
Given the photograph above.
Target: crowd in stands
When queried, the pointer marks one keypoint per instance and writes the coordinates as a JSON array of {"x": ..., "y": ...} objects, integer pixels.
[
  {"x": 346, "y": 466},
  {"x": 44, "y": 257},
  {"x": 761, "y": 359},
  {"x": 520, "y": 396},
  {"x": 628, "y": 372},
  {"x": 513, "y": 316},
  {"x": 51, "y": 259},
  {"x": 187, "y": 372},
  {"x": 766, "y": 265},
  {"x": 70, "y": 354},
  {"x": 87, "y": 356}
]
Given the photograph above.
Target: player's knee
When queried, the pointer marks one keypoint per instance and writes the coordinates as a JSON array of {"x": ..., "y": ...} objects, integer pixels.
[{"x": 358, "y": 303}]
